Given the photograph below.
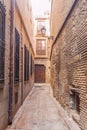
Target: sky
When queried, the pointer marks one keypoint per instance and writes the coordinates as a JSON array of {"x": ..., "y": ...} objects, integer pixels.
[{"x": 40, "y": 6}]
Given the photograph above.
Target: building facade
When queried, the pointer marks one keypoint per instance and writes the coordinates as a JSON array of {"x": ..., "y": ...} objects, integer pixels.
[
  {"x": 69, "y": 57},
  {"x": 42, "y": 44},
  {"x": 16, "y": 57}
]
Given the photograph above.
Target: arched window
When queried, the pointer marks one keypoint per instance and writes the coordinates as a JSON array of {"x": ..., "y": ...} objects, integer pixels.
[{"x": 2, "y": 41}]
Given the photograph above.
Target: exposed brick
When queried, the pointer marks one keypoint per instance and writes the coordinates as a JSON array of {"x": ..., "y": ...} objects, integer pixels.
[
  {"x": 71, "y": 60},
  {"x": 24, "y": 27}
]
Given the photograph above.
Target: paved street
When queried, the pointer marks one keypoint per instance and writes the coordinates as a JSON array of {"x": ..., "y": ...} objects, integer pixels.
[{"x": 41, "y": 111}]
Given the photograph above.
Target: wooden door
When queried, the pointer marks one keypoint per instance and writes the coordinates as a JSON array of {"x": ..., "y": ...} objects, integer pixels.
[{"x": 39, "y": 74}]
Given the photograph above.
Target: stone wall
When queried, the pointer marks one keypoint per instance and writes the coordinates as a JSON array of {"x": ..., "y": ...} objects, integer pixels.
[{"x": 69, "y": 64}]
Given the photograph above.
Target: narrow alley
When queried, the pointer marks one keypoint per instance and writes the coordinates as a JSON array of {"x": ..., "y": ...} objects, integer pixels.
[
  {"x": 41, "y": 111},
  {"x": 43, "y": 64}
]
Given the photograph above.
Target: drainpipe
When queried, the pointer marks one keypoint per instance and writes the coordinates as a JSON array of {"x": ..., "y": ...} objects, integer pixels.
[{"x": 11, "y": 81}]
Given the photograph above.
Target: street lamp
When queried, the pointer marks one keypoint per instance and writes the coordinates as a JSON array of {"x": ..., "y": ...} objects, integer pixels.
[{"x": 43, "y": 31}]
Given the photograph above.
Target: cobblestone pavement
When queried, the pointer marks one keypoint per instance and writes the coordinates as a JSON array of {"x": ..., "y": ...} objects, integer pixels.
[{"x": 41, "y": 111}]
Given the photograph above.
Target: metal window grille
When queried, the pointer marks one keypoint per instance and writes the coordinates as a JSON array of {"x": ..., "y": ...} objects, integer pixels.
[
  {"x": 2, "y": 42},
  {"x": 31, "y": 64},
  {"x": 26, "y": 64},
  {"x": 17, "y": 48}
]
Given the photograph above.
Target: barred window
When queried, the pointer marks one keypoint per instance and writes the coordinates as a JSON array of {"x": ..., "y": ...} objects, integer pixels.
[
  {"x": 17, "y": 47},
  {"x": 2, "y": 42},
  {"x": 26, "y": 64},
  {"x": 32, "y": 65}
]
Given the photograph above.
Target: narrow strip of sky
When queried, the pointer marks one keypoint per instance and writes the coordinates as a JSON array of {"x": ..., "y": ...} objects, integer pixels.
[{"x": 40, "y": 6}]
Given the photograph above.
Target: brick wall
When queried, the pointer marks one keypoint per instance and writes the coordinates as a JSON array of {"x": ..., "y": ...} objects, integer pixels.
[
  {"x": 5, "y": 87},
  {"x": 60, "y": 9},
  {"x": 27, "y": 17},
  {"x": 69, "y": 63},
  {"x": 26, "y": 38},
  {"x": 24, "y": 41}
]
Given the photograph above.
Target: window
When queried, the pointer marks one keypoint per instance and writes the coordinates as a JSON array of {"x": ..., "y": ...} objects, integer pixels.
[
  {"x": 16, "y": 97},
  {"x": 17, "y": 47},
  {"x": 40, "y": 24},
  {"x": 41, "y": 47},
  {"x": 75, "y": 101},
  {"x": 32, "y": 65},
  {"x": 26, "y": 64},
  {"x": 2, "y": 42}
]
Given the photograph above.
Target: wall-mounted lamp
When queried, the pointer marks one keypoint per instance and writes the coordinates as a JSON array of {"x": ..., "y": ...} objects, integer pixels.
[{"x": 43, "y": 32}]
